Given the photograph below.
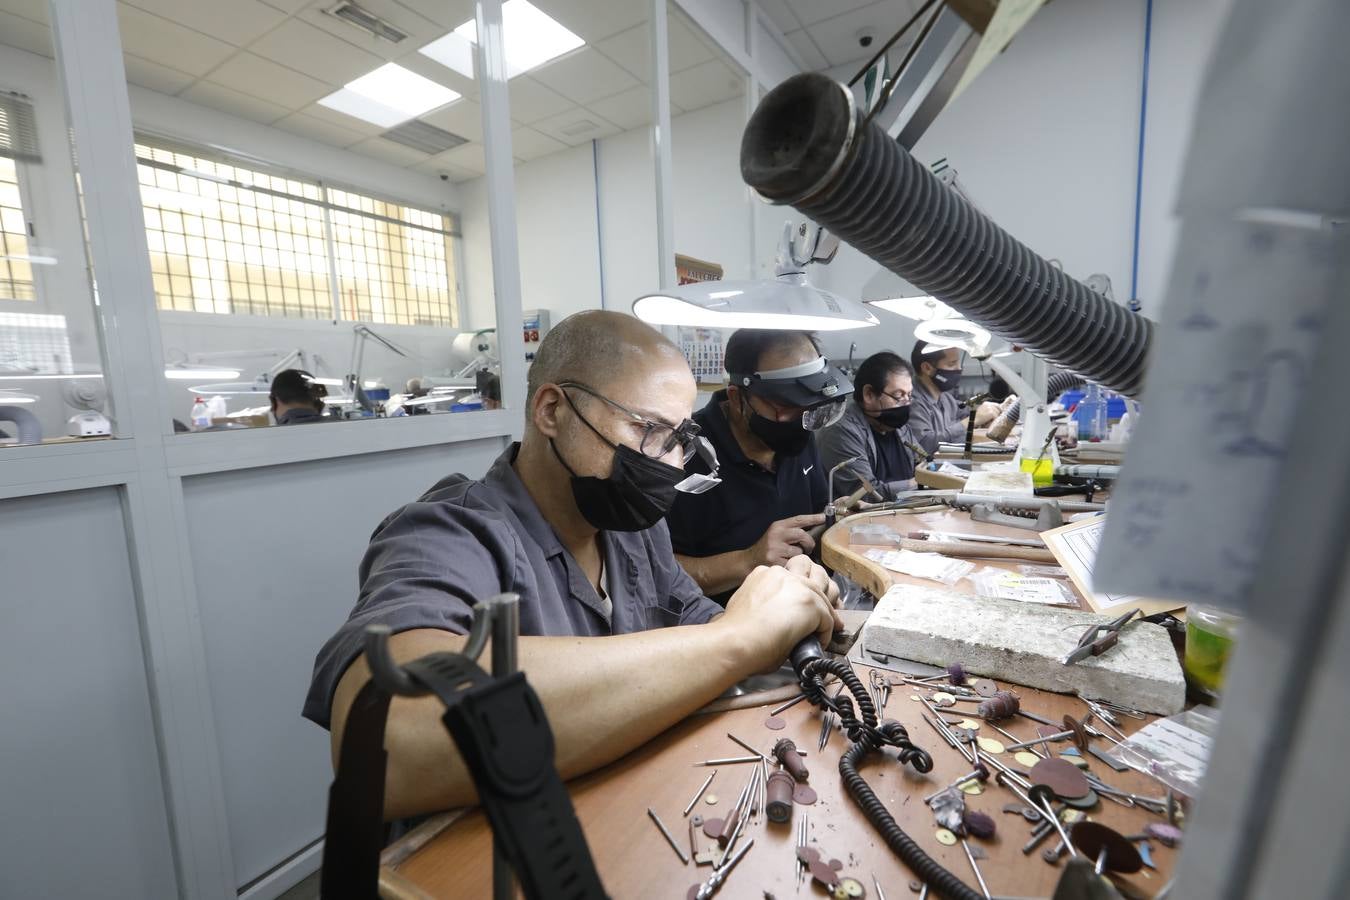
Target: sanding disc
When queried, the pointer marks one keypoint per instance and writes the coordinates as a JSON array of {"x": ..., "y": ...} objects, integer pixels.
[
  {"x": 822, "y": 872},
  {"x": 1091, "y": 838},
  {"x": 985, "y": 688},
  {"x": 712, "y": 828},
  {"x": 1088, "y": 801},
  {"x": 803, "y": 794},
  {"x": 775, "y": 723},
  {"x": 1061, "y": 776}
]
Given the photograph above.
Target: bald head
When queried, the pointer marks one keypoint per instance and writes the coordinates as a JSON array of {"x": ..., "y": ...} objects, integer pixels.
[{"x": 609, "y": 351}]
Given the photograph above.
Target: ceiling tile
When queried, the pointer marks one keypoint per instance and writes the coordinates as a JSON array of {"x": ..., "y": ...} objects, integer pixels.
[
  {"x": 263, "y": 78},
  {"x": 32, "y": 10},
  {"x": 705, "y": 85},
  {"x": 239, "y": 22},
  {"x": 25, "y": 34},
  {"x": 576, "y": 126},
  {"x": 837, "y": 38},
  {"x": 527, "y": 144},
  {"x": 466, "y": 157},
  {"x": 288, "y": 6},
  {"x": 809, "y": 12},
  {"x": 315, "y": 52},
  {"x": 632, "y": 49},
  {"x": 631, "y": 109},
  {"x": 585, "y": 75},
  {"x": 388, "y": 151},
  {"x": 595, "y": 20},
  {"x": 161, "y": 41},
  {"x": 807, "y": 49},
  {"x": 450, "y": 13},
  {"x": 531, "y": 101},
  {"x": 781, "y": 14},
  {"x": 464, "y": 117},
  {"x": 152, "y": 75},
  {"x": 342, "y": 120},
  {"x": 319, "y": 130},
  {"x": 205, "y": 93},
  {"x": 420, "y": 30}
]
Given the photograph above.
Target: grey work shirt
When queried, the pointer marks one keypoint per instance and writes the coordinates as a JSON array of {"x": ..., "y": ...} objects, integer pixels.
[
  {"x": 300, "y": 415},
  {"x": 934, "y": 420},
  {"x": 854, "y": 436},
  {"x": 465, "y": 540}
]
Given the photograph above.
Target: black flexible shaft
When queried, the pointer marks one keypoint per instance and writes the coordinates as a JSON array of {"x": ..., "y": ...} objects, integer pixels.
[{"x": 867, "y": 737}]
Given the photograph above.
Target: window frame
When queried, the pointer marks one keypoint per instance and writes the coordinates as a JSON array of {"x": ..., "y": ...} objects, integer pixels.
[{"x": 452, "y": 234}]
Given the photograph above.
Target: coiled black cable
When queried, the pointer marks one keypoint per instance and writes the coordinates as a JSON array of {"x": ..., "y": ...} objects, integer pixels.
[{"x": 868, "y": 737}]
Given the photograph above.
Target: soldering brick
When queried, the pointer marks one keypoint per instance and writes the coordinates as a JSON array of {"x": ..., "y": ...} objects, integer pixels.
[{"x": 1023, "y": 644}]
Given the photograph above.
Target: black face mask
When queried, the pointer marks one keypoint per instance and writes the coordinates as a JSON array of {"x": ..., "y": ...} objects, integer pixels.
[
  {"x": 637, "y": 494},
  {"x": 947, "y": 379},
  {"x": 783, "y": 438},
  {"x": 895, "y": 417}
]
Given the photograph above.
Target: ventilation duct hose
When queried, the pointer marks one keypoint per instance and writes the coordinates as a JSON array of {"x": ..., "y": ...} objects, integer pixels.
[
  {"x": 807, "y": 145},
  {"x": 30, "y": 429}
]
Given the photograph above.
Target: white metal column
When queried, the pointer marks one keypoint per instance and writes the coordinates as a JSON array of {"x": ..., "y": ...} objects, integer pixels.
[
  {"x": 752, "y": 85},
  {"x": 89, "y": 58},
  {"x": 501, "y": 199},
  {"x": 665, "y": 189}
]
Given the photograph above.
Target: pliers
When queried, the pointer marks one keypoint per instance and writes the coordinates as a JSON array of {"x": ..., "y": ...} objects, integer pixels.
[{"x": 1092, "y": 645}]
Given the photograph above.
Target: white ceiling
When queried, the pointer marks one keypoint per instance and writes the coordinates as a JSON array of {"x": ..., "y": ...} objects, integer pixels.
[
  {"x": 825, "y": 33},
  {"x": 271, "y": 61}
]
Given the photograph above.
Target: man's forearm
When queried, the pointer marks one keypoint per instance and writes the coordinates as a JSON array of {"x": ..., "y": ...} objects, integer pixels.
[
  {"x": 630, "y": 688},
  {"x": 718, "y": 573}
]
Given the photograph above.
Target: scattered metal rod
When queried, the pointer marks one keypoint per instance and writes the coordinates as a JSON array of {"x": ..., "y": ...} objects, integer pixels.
[
  {"x": 1041, "y": 795},
  {"x": 975, "y": 867},
  {"x": 788, "y": 705},
  {"x": 803, "y": 835},
  {"x": 881, "y": 895},
  {"x": 720, "y": 873},
  {"x": 731, "y": 760},
  {"x": 746, "y": 746},
  {"x": 669, "y": 840},
  {"x": 707, "y": 781}
]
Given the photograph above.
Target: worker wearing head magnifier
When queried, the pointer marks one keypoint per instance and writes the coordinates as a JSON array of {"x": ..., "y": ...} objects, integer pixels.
[{"x": 780, "y": 392}]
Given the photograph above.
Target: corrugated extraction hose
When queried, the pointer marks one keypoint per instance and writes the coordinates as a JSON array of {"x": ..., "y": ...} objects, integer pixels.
[
  {"x": 807, "y": 146},
  {"x": 1056, "y": 384}
]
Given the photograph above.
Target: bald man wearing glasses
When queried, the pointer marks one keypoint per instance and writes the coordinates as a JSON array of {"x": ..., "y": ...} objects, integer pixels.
[{"x": 617, "y": 639}]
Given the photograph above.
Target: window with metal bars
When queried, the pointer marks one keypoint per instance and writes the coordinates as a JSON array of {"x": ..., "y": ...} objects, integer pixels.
[
  {"x": 228, "y": 238},
  {"x": 18, "y": 143}
]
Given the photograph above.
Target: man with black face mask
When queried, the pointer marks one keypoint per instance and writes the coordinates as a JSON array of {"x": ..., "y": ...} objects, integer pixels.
[
  {"x": 937, "y": 415},
  {"x": 874, "y": 430},
  {"x": 773, "y": 491},
  {"x": 570, "y": 519}
]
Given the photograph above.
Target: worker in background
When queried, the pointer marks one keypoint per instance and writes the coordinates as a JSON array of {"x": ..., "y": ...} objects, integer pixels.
[
  {"x": 773, "y": 487},
  {"x": 874, "y": 430},
  {"x": 296, "y": 398},
  {"x": 616, "y": 639},
  {"x": 938, "y": 415},
  {"x": 489, "y": 388}
]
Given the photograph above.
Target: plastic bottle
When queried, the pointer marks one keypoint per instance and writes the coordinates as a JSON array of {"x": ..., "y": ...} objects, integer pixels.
[
  {"x": 1091, "y": 415},
  {"x": 201, "y": 415}
]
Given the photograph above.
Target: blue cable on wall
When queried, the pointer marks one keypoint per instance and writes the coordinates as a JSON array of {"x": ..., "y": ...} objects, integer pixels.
[{"x": 1135, "y": 305}]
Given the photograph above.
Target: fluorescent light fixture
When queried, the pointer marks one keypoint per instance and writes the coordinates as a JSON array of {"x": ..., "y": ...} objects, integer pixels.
[
  {"x": 389, "y": 95},
  {"x": 943, "y": 334},
  {"x": 920, "y": 308},
  {"x": 327, "y": 382},
  {"x": 231, "y": 388},
  {"x": 37, "y": 259},
  {"x": 181, "y": 373},
  {"x": 14, "y": 397},
  {"x": 787, "y": 302},
  {"x": 532, "y": 38},
  {"x": 35, "y": 376}
]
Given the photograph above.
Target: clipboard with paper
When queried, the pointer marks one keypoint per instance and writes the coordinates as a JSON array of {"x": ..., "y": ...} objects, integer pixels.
[{"x": 1075, "y": 546}]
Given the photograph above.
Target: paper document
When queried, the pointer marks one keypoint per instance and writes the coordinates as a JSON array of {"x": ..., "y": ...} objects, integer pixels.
[
  {"x": 1229, "y": 370},
  {"x": 1075, "y": 546}
]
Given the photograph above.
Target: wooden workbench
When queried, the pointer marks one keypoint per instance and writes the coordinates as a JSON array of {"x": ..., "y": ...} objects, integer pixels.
[{"x": 452, "y": 857}]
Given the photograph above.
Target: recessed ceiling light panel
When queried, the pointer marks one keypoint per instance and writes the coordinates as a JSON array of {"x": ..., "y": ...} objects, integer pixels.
[
  {"x": 532, "y": 38},
  {"x": 389, "y": 95}
]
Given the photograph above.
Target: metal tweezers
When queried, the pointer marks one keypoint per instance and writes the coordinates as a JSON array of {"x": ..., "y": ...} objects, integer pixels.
[{"x": 1090, "y": 644}]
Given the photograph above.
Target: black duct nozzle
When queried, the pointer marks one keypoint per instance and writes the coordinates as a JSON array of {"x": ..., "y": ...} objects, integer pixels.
[{"x": 806, "y": 146}]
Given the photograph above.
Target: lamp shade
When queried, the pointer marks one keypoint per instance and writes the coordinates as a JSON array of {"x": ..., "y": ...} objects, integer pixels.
[
  {"x": 962, "y": 334},
  {"x": 786, "y": 303}
]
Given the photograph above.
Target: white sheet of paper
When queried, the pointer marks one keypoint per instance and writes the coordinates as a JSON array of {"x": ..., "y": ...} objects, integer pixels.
[{"x": 1229, "y": 365}]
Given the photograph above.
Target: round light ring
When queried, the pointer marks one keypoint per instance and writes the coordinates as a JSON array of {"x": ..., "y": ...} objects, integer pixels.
[{"x": 962, "y": 334}]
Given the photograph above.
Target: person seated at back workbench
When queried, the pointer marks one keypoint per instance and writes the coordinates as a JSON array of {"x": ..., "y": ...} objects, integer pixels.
[
  {"x": 874, "y": 431},
  {"x": 937, "y": 416},
  {"x": 296, "y": 398},
  {"x": 618, "y": 642},
  {"x": 780, "y": 390}
]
